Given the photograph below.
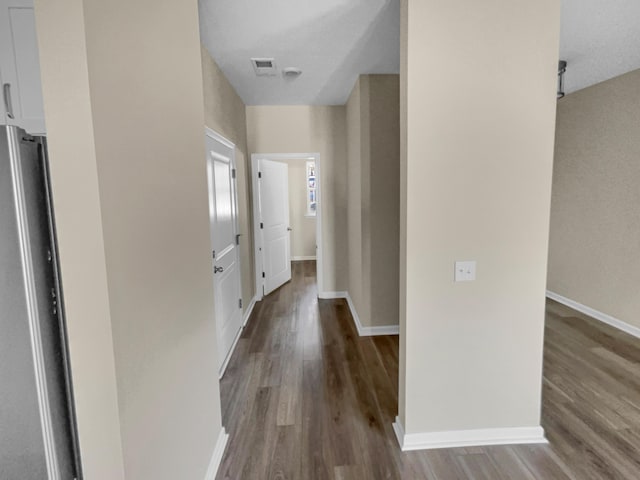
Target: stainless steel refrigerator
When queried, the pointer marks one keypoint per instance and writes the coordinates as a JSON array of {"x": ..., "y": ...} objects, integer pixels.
[{"x": 37, "y": 430}]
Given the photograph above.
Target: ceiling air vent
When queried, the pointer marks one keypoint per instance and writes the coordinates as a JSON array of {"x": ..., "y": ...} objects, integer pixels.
[{"x": 264, "y": 66}]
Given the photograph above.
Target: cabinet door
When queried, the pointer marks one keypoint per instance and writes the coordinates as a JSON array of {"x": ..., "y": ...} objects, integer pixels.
[
  {"x": 20, "y": 65},
  {"x": 3, "y": 113}
]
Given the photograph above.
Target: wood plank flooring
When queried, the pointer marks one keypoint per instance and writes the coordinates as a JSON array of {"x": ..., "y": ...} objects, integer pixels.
[{"x": 304, "y": 397}]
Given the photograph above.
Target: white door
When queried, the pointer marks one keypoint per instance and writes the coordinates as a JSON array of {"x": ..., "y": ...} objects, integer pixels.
[
  {"x": 274, "y": 224},
  {"x": 223, "y": 213}
]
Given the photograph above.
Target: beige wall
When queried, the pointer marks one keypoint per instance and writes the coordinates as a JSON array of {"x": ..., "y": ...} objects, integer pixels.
[
  {"x": 303, "y": 235},
  {"x": 593, "y": 251},
  {"x": 74, "y": 178},
  {"x": 354, "y": 112},
  {"x": 224, "y": 112},
  {"x": 310, "y": 129},
  {"x": 480, "y": 84},
  {"x": 141, "y": 91},
  {"x": 373, "y": 145},
  {"x": 384, "y": 197}
]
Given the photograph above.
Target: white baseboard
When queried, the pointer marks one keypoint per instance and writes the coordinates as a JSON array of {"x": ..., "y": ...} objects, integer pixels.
[
  {"x": 330, "y": 295},
  {"x": 378, "y": 330},
  {"x": 362, "y": 330},
  {"x": 225, "y": 363},
  {"x": 216, "y": 458},
  {"x": 370, "y": 331},
  {"x": 303, "y": 257},
  {"x": 467, "y": 438},
  {"x": 603, "y": 317},
  {"x": 249, "y": 310},
  {"x": 245, "y": 319}
]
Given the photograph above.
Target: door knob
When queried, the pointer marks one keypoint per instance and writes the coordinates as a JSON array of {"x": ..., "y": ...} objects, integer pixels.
[
  {"x": 289, "y": 229},
  {"x": 218, "y": 269}
]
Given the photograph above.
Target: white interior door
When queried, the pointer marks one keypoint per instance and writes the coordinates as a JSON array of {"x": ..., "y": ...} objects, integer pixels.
[
  {"x": 223, "y": 214},
  {"x": 274, "y": 218}
]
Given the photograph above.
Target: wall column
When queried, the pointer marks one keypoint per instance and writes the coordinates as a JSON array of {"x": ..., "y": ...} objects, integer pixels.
[
  {"x": 478, "y": 85},
  {"x": 122, "y": 83}
]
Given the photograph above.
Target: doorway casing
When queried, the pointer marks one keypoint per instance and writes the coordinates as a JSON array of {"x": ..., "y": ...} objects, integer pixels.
[{"x": 257, "y": 233}]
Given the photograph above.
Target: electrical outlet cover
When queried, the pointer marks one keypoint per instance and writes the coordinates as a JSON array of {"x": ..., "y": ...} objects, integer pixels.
[{"x": 465, "y": 271}]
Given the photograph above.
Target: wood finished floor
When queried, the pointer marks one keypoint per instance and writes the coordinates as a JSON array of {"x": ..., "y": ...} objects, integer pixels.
[{"x": 305, "y": 398}]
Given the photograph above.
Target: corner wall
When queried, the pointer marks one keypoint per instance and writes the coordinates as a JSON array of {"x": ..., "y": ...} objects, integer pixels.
[
  {"x": 76, "y": 200},
  {"x": 595, "y": 226},
  {"x": 480, "y": 84},
  {"x": 355, "y": 112},
  {"x": 125, "y": 126},
  {"x": 373, "y": 140}
]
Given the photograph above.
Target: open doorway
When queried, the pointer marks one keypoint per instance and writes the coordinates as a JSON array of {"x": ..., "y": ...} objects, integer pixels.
[{"x": 287, "y": 217}]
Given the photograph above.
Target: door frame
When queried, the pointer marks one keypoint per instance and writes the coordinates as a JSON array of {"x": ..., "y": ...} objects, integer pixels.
[
  {"x": 228, "y": 143},
  {"x": 257, "y": 233}
]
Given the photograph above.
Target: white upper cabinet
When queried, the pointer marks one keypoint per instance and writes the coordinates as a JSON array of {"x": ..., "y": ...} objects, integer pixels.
[
  {"x": 20, "y": 67},
  {"x": 3, "y": 113}
]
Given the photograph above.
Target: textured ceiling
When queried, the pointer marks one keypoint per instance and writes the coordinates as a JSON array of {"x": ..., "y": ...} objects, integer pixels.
[
  {"x": 599, "y": 39},
  {"x": 333, "y": 41}
]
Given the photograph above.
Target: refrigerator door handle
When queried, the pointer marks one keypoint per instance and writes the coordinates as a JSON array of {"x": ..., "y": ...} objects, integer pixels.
[{"x": 6, "y": 90}]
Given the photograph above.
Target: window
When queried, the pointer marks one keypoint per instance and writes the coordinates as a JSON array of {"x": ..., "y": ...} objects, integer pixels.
[{"x": 311, "y": 189}]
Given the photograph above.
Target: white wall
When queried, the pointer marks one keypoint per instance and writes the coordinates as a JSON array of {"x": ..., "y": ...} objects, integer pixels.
[
  {"x": 124, "y": 108},
  {"x": 303, "y": 233},
  {"x": 479, "y": 105},
  {"x": 307, "y": 129},
  {"x": 74, "y": 178}
]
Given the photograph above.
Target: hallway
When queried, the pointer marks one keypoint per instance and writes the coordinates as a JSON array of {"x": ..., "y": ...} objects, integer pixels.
[{"x": 305, "y": 398}]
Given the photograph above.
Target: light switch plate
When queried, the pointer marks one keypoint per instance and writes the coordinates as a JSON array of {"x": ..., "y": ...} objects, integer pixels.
[{"x": 465, "y": 271}]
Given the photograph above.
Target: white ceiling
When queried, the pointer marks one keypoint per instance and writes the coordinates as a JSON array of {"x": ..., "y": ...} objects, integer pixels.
[
  {"x": 599, "y": 39},
  {"x": 333, "y": 41}
]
